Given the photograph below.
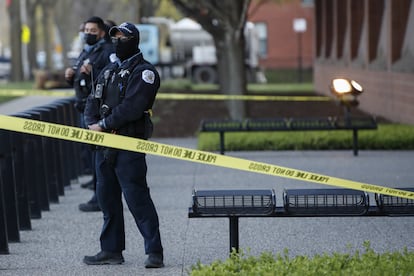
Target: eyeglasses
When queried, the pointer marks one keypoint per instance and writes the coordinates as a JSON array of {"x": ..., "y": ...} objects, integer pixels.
[{"x": 121, "y": 39}]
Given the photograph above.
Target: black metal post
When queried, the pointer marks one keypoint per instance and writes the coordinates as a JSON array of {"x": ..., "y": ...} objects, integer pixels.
[
  {"x": 222, "y": 142},
  {"x": 348, "y": 123},
  {"x": 49, "y": 158},
  {"x": 30, "y": 177},
  {"x": 4, "y": 240},
  {"x": 300, "y": 66},
  {"x": 4, "y": 150},
  {"x": 10, "y": 200},
  {"x": 22, "y": 187},
  {"x": 234, "y": 233},
  {"x": 355, "y": 139},
  {"x": 39, "y": 178}
]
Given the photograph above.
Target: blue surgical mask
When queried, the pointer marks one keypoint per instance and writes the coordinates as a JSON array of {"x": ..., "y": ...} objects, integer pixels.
[{"x": 81, "y": 36}]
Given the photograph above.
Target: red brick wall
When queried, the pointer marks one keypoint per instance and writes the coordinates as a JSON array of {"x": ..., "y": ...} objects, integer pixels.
[{"x": 282, "y": 40}]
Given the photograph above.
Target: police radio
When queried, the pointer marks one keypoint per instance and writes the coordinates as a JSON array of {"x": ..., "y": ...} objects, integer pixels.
[
  {"x": 99, "y": 91},
  {"x": 82, "y": 82}
]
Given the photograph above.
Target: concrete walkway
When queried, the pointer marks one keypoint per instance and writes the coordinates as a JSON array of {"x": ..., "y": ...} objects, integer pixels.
[
  {"x": 60, "y": 239},
  {"x": 24, "y": 103}
]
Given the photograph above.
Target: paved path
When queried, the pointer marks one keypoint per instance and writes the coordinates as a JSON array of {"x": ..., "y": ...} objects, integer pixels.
[
  {"x": 58, "y": 241},
  {"x": 24, "y": 103}
]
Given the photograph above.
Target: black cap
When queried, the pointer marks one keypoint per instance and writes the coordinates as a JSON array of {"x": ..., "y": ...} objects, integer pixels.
[{"x": 128, "y": 29}]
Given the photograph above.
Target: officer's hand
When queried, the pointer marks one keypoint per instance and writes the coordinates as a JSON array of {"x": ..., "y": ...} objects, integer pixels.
[
  {"x": 69, "y": 73},
  {"x": 86, "y": 68},
  {"x": 95, "y": 127}
]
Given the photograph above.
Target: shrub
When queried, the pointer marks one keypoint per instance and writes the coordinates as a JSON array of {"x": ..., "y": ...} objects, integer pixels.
[
  {"x": 386, "y": 137},
  {"x": 364, "y": 263}
]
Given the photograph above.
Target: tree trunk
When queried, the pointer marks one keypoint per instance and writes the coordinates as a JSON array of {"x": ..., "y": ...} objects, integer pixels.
[
  {"x": 15, "y": 42},
  {"x": 225, "y": 21},
  {"x": 32, "y": 47},
  {"x": 232, "y": 78},
  {"x": 48, "y": 32},
  {"x": 64, "y": 26}
]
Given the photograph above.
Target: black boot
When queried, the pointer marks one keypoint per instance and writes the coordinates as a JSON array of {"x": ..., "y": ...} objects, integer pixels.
[
  {"x": 88, "y": 185},
  {"x": 154, "y": 260},
  {"x": 104, "y": 258},
  {"x": 90, "y": 206}
]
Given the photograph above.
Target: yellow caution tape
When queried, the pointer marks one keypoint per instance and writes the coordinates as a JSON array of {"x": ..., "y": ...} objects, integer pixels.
[
  {"x": 221, "y": 97},
  {"x": 173, "y": 96},
  {"x": 36, "y": 92},
  {"x": 154, "y": 148}
]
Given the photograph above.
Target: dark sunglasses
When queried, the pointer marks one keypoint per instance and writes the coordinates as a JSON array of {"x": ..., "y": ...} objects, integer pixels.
[{"x": 121, "y": 39}]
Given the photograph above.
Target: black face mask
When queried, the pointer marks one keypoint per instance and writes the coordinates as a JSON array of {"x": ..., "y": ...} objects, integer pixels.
[
  {"x": 125, "y": 49},
  {"x": 91, "y": 39}
]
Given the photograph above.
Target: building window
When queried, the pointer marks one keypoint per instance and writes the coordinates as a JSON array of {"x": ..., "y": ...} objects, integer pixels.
[{"x": 261, "y": 29}]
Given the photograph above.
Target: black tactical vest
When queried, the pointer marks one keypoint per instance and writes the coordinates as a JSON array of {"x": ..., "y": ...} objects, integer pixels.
[{"x": 110, "y": 91}]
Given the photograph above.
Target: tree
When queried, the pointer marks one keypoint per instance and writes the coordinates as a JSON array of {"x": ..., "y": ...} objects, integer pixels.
[
  {"x": 15, "y": 40},
  {"x": 167, "y": 9},
  {"x": 225, "y": 21},
  {"x": 31, "y": 6}
]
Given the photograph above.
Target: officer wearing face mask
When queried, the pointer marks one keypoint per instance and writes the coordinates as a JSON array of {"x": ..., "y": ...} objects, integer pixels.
[
  {"x": 93, "y": 58},
  {"x": 121, "y": 104}
]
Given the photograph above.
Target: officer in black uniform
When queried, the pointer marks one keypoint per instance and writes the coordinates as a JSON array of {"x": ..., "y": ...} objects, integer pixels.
[
  {"x": 93, "y": 58},
  {"x": 121, "y": 104}
]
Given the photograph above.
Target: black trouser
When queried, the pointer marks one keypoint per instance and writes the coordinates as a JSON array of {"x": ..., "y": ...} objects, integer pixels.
[{"x": 128, "y": 176}]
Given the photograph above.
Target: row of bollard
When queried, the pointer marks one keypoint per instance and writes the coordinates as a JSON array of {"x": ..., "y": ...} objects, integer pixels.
[{"x": 35, "y": 170}]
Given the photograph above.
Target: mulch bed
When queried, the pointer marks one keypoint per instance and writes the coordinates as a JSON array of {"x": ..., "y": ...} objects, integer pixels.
[{"x": 182, "y": 118}]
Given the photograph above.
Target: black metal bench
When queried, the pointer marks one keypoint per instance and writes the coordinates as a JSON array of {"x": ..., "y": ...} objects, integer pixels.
[
  {"x": 296, "y": 203},
  {"x": 290, "y": 124}
]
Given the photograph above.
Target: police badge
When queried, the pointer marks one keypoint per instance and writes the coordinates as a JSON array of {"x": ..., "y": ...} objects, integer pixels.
[{"x": 148, "y": 76}]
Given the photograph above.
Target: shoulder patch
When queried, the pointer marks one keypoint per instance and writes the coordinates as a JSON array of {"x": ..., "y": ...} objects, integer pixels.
[{"x": 148, "y": 76}]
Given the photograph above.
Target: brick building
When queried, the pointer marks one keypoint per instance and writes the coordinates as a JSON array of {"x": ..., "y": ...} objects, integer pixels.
[
  {"x": 371, "y": 41},
  {"x": 279, "y": 42}
]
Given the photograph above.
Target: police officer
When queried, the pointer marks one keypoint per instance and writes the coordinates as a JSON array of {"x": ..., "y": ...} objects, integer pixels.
[
  {"x": 93, "y": 58},
  {"x": 121, "y": 104}
]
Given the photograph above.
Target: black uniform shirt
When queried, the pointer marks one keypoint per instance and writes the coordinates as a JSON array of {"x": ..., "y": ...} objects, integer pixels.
[
  {"x": 98, "y": 57},
  {"x": 129, "y": 91}
]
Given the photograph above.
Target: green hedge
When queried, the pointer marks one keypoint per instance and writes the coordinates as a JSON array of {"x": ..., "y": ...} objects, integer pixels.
[
  {"x": 288, "y": 75},
  {"x": 363, "y": 263},
  {"x": 4, "y": 99},
  {"x": 386, "y": 137}
]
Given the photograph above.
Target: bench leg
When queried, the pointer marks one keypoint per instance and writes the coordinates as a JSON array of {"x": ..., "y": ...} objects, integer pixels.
[
  {"x": 222, "y": 142},
  {"x": 355, "y": 140},
  {"x": 234, "y": 233}
]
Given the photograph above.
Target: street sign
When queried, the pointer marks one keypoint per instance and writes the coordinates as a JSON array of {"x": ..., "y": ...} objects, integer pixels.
[{"x": 299, "y": 25}]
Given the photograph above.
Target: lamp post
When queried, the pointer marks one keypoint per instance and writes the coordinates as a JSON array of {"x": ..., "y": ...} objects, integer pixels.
[
  {"x": 346, "y": 91},
  {"x": 299, "y": 27}
]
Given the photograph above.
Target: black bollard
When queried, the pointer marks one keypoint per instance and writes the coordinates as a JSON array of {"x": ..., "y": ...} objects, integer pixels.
[
  {"x": 72, "y": 149},
  {"x": 57, "y": 147},
  {"x": 22, "y": 187},
  {"x": 36, "y": 159},
  {"x": 49, "y": 150},
  {"x": 4, "y": 241},
  {"x": 9, "y": 189},
  {"x": 29, "y": 170}
]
